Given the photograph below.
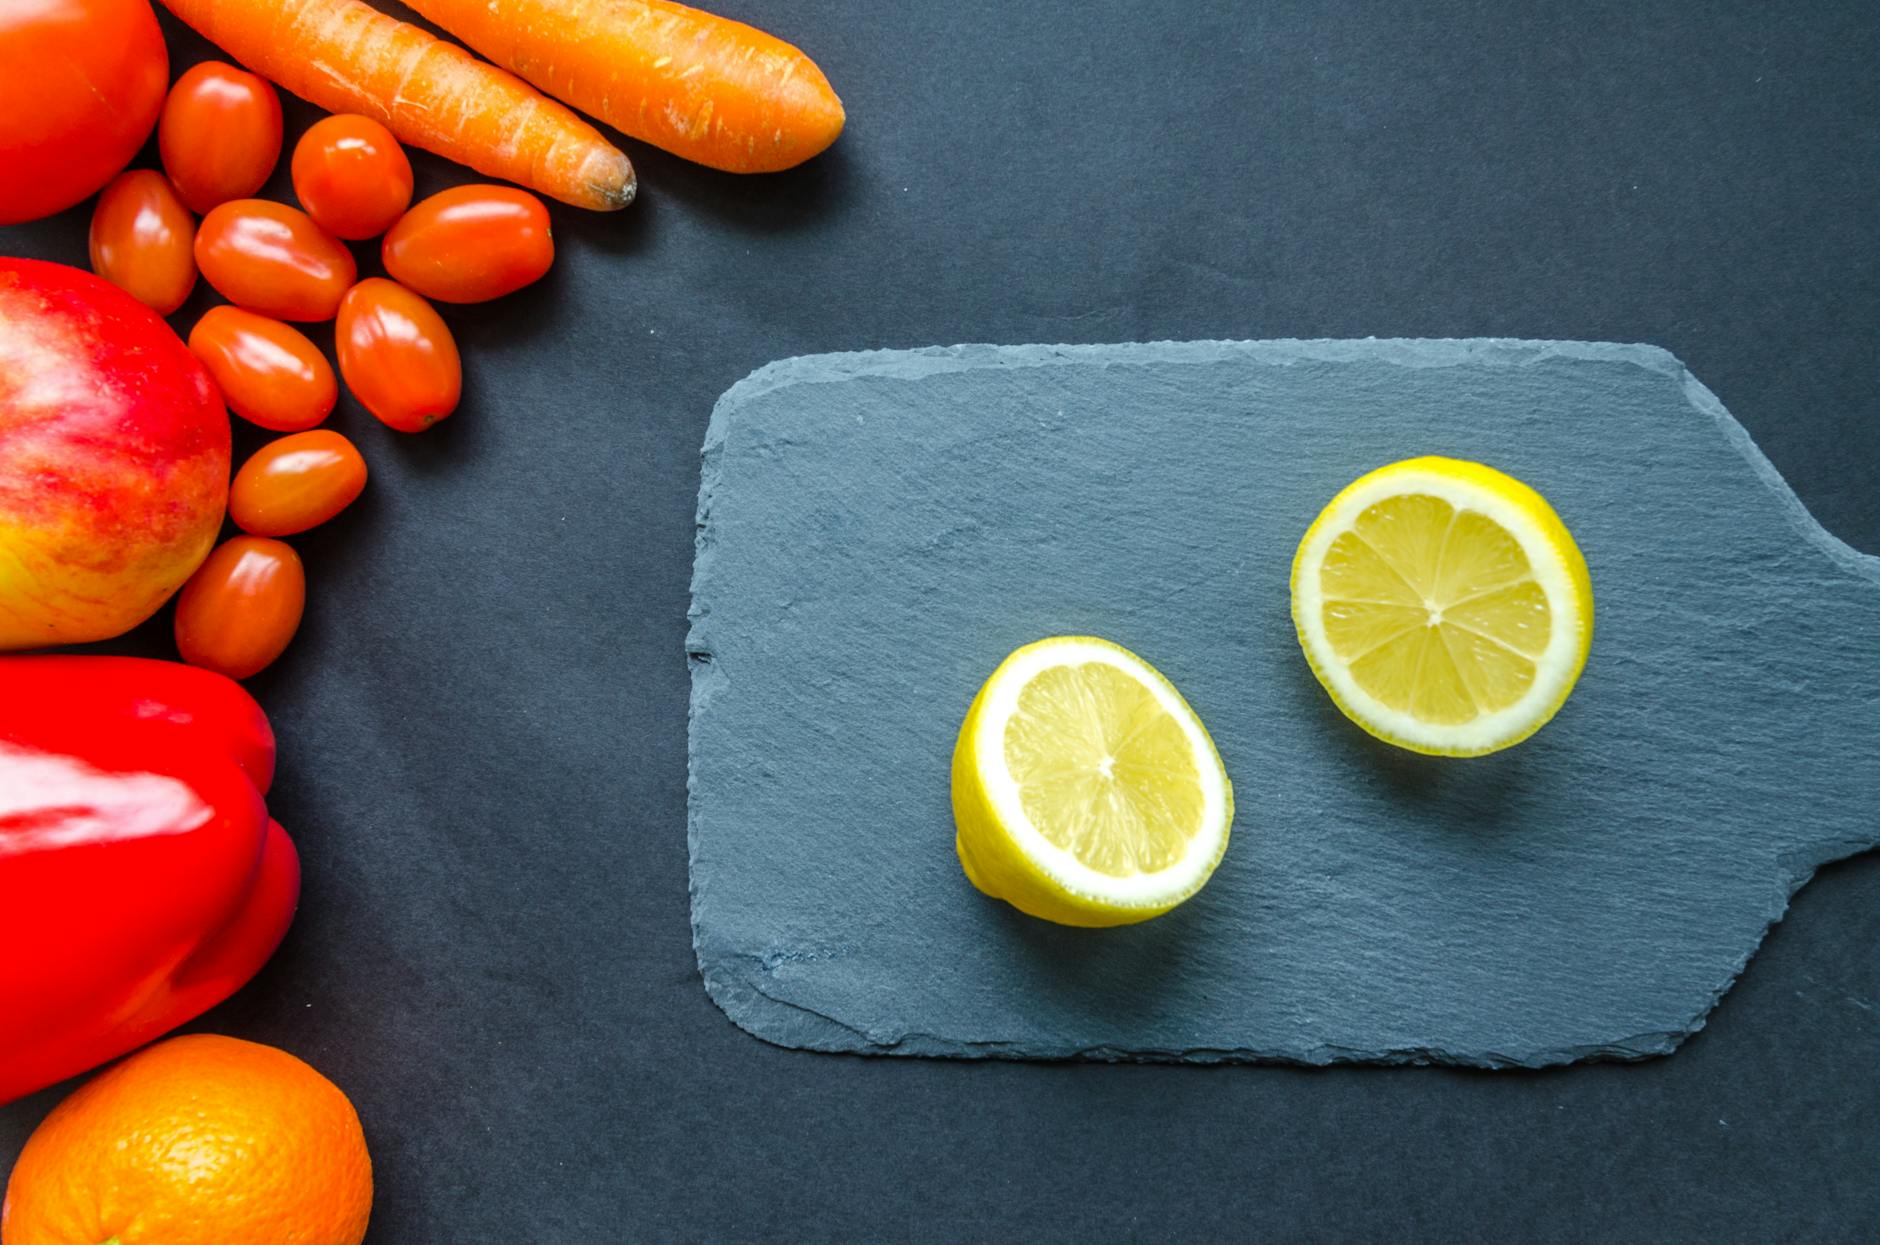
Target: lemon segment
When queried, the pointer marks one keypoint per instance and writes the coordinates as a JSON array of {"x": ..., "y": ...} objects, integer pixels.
[
  {"x": 1443, "y": 605},
  {"x": 1085, "y": 789}
]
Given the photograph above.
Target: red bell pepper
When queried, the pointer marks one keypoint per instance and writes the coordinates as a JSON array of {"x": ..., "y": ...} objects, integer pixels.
[{"x": 141, "y": 879}]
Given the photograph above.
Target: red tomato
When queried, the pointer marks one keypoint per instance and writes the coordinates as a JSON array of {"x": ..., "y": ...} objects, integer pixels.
[
  {"x": 397, "y": 355},
  {"x": 220, "y": 135},
  {"x": 241, "y": 607},
  {"x": 352, "y": 176},
  {"x": 80, "y": 85},
  {"x": 471, "y": 243},
  {"x": 273, "y": 259},
  {"x": 269, "y": 374},
  {"x": 296, "y": 483},
  {"x": 142, "y": 240}
]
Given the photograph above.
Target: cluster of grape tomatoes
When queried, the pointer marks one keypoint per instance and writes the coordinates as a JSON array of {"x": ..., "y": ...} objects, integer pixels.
[{"x": 219, "y": 138}]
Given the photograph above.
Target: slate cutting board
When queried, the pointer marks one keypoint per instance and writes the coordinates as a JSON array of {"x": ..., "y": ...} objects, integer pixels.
[{"x": 876, "y": 531}]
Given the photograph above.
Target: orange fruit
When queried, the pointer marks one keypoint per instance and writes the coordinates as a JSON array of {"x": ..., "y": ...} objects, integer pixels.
[{"x": 199, "y": 1140}]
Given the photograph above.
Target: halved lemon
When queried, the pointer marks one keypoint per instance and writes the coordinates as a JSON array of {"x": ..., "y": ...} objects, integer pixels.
[
  {"x": 1443, "y": 605},
  {"x": 1085, "y": 790}
]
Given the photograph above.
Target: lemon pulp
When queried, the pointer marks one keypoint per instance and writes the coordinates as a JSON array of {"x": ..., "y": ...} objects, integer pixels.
[{"x": 1102, "y": 770}]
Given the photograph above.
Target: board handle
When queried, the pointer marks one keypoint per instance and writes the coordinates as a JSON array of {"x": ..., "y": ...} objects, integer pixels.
[{"x": 1833, "y": 735}]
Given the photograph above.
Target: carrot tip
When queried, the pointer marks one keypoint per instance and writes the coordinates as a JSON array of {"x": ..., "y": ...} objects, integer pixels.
[
  {"x": 619, "y": 196},
  {"x": 609, "y": 178}
]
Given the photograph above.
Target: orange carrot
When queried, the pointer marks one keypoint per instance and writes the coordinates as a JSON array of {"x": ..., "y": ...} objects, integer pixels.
[
  {"x": 346, "y": 56},
  {"x": 703, "y": 87}
]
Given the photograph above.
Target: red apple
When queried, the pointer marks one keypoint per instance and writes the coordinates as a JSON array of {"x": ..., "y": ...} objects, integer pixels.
[{"x": 114, "y": 452}]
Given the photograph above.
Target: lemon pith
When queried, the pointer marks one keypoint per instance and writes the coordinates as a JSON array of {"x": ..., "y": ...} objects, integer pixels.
[
  {"x": 1443, "y": 605},
  {"x": 1085, "y": 789}
]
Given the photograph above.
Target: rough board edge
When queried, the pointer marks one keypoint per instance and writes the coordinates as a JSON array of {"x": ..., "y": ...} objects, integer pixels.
[{"x": 792, "y": 1026}]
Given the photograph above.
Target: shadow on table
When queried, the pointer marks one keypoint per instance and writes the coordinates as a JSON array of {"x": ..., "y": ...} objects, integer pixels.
[{"x": 752, "y": 203}]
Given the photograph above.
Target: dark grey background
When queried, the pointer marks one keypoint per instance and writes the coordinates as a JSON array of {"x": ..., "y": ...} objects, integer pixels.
[{"x": 482, "y": 722}]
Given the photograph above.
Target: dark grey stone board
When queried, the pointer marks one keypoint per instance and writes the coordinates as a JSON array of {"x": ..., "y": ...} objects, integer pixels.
[{"x": 878, "y": 530}]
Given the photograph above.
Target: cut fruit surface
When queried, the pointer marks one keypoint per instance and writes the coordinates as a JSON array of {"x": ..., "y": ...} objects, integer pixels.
[
  {"x": 1085, "y": 790},
  {"x": 1443, "y": 605}
]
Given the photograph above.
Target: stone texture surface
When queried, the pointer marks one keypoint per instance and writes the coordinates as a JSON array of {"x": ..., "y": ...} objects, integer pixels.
[{"x": 877, "y": 530}]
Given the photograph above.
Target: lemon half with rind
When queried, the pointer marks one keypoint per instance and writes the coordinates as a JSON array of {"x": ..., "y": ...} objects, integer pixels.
[
  {"x": 1085, "y": 789},
  {"x": 1444, "y": 606}
]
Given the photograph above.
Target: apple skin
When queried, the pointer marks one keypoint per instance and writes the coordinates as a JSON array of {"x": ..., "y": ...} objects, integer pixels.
[{"x": 114, "y": 458}]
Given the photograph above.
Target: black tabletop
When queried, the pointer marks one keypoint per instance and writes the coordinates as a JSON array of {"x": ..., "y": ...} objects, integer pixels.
[{"x": 482, "y": 722}]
